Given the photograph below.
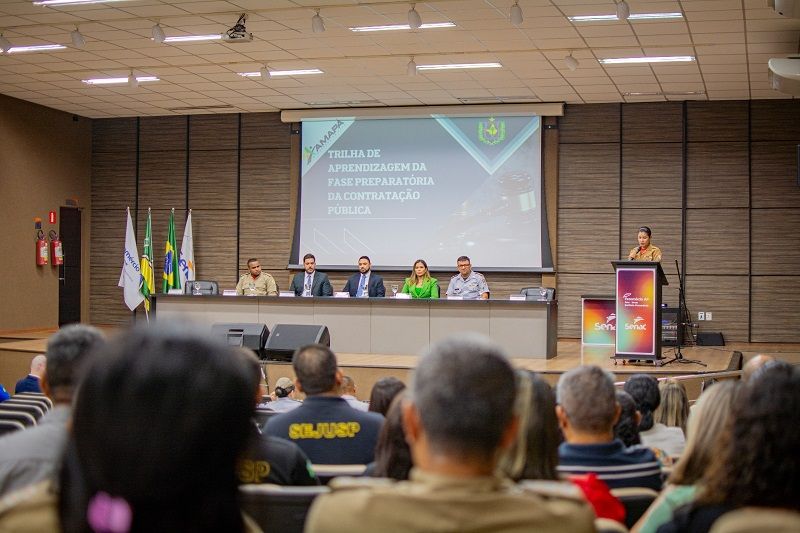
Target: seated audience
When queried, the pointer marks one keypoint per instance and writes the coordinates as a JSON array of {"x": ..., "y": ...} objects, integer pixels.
[
  {"x": 644, "y": 391},
  {"x": 383, "y": 392},
  {"x": 420, "y": 284},
  {"x": 349, "y": 394},
  {"x": 325, "y": 427},
  {"x": 32, "y": 382},
  {"x": 587, "y": 411},
  {"x": 392, "y": 454},
  {"x": 755, "y": 463},
  {"x": 674, "y": 408},
  {"x": 709, "y": 417},
  {"x": 627, "y": 427},
  {"x": 158, "y": 424},
  {"x": 754, "y": 364},
  {"x": 456, "y": 431},
  {"x": 284, "y": 396},
  {"x": 33, "y": 455}
]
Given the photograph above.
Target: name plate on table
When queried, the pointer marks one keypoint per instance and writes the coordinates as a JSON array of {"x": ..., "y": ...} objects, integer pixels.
[
  {"x": 229, "y": 292},
  {"x": 286, "y": 294},
  {"x": 402, "y": 296},
  {"x": 455, "y": 297},
  {"x": 517, "y": 297},
  {"x": 176, "y": 292},
  {"x": 343, "y": 294}
]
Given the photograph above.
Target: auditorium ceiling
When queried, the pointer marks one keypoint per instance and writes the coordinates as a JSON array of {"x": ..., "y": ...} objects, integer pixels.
[{"x": 730, "y": 42}]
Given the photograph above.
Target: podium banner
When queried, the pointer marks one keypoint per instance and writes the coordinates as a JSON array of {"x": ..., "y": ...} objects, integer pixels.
[
  {"x": 636, "y": 311},
  {"x": 599, "y": 321}
]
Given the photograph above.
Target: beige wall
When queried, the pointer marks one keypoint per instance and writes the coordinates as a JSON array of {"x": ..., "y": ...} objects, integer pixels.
[{"x": 45, "y": 158}]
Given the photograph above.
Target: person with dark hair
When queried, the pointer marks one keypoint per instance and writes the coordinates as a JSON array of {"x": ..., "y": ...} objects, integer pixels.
[
  {"x": 33, "y": 381},
  {"x": 645, "y": 251},
  {"x": 311, "y": 282},
  {"x": 587, "y": 411},
  {"x": 256, "y": 282},
  {"x": 755, "y": 462},
  {"x": 392, "y": 454},
  {"x": 627, "y": 427},
  {"x": 365, "y": 283},
  {"x": 284, "y": 396},
  {"x": 33, "y": 455},
  {"x": 644, "y": 391},
  {"x": 420, "y": 284},
  {"x": 467, "y": 284},
  {"x": 383, "y": 392},
  {"x": 456, "y": 432},
  {"x": 325, "y": 427}
]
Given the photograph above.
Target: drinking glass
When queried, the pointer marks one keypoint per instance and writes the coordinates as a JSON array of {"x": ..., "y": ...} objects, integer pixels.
[
  {"x": 394, "y": 291},
  {"x": 543, "y": 293}
]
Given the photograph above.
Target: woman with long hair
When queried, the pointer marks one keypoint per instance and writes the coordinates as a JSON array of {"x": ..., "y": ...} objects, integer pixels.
[
  {"x": 420, "y": 284},
  {"x": 674, "y": 408}
]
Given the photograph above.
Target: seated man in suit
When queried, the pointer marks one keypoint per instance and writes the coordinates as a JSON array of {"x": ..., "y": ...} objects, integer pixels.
[
  {"x": 32, "y": 382},
  {"x": 311, "y": 282},
  {"x": 325, "y": 427},
  {"x": 365, "y": 284}
]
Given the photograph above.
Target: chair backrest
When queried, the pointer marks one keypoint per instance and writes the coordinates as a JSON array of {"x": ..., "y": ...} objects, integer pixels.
[
  {"x": 201, "y": 286},
  {"x": 606, "y": 525},
  {"x": 26, "y": 419},
  {"x": 325, "y": 473},
  {"x": 532, "y": 293},
  {"x": 750, "y": 519},
  {"x": 37, "y": 397},
  {"x": 31, "y": 408},
  {"x": 636, "y": 501},
  {"x": 7, "y": 426},
  {"x": 277, "y": 508},
  {"x": 261, "y": 416}
]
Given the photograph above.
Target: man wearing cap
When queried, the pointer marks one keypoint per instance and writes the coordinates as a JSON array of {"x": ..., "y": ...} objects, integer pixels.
[{"x": 284, "y": 396}]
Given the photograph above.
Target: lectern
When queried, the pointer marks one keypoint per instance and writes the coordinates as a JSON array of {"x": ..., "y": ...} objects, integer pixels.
[{"x": 638, "y": 310}]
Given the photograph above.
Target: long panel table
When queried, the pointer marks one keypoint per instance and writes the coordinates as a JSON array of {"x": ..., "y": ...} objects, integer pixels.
[{"x": 381, "y": 325}]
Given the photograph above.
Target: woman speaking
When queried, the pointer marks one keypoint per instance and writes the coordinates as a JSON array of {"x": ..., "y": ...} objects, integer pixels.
[{"x": 645, "y": 251}]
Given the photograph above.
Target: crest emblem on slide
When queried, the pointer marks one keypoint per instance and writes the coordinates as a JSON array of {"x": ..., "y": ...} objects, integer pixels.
[{"x": 492, "y": 132}]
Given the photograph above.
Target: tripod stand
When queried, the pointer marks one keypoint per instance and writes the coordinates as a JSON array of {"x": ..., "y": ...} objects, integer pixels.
[{"x": 683, "y": 322}]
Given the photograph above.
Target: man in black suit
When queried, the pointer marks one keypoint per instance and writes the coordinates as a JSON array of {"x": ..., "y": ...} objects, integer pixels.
[
  {"x": 365, "y": 284},
  {"x": 311, "y": 282}
]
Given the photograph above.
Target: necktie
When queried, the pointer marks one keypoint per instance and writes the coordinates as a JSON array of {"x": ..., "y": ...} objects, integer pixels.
[
  {"x": 360, "y": 291},
  {"x": 308, "y": 283}
]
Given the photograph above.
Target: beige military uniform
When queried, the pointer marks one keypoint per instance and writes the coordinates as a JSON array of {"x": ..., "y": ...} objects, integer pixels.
[
  {"x": 652, "y": 253},
  {"x": 263, "y": 285},
  {"x": 436, "y": 503}
]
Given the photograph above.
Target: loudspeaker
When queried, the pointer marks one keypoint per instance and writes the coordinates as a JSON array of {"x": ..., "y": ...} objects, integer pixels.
[
  {"x": 710, "y": 339},
  {"x": 249, "y": 335},
  {"x": 286, "y": 338}
]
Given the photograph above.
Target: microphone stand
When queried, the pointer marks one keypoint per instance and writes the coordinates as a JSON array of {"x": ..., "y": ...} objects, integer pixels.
[{"x": 683, "y": 316}]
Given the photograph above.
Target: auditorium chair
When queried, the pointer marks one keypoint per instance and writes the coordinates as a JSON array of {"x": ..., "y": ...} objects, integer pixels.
[
  {"x": 532, "y": 293},
  {"x": 279, "y": 508},
  {"x": 23, "y": 418},
  {"x": 32, "y": 409},
  {"x": 748, "y": 519},
  {"x": 202, "y": 286},
  {"x": 325, "y": 473},
  {"x": 606, "y": 525},
  {"x": 636, "y": 501},
  {"x": 7, "y": 426},
  {"x": 261, "y": 416},
  {"x": 37, "y": 397}
]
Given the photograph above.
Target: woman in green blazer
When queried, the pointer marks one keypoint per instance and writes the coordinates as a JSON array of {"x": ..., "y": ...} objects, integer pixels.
[{"x": 420, "y": 284}]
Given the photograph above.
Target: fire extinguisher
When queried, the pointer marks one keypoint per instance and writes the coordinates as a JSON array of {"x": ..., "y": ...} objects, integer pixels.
[
  {"x": 56, "y": 249},
  {"x": 41, "y": 249}
]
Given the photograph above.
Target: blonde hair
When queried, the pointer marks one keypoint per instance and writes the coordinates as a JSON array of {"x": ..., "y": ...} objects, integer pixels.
[
  {"x": 412, "y": 280},
  {"x": 674, "y": 408}
]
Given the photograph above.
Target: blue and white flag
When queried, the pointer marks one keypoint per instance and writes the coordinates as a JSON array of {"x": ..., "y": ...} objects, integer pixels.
[
  {"x": 130, "y": 279},
  {"x": 186, "y": 261}
]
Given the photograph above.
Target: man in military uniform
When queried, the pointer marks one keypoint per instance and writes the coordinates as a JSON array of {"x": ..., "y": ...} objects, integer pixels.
[
  {"x": 456, "y": 433},
  {"x": 255, "y": 282},
  {"x": 468, "y": 284}
]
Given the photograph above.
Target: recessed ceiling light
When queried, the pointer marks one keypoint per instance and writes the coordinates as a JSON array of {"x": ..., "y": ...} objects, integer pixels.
[
  {"x": 274, "y": 73},
  {"x": 665, "y": 93},
  {"x": 118, "y": 81},
  {"x": 661, "y": 59},
  {"x": 35, "y": 48},
  {"x": 72, "y": 2},
  {"x": 637, "y": 16},
  {"x": 395, "y": 27},
  {"x": 193, "y": 38},
  {"x": 456, "y": 66}
]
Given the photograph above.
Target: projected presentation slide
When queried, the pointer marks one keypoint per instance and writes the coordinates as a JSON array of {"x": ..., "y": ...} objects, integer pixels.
[{"x": 432, "y": 188}]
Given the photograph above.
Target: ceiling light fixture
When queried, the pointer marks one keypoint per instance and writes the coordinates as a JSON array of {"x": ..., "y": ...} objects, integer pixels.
[
  {"x": 571, "y": 62},
  {"x": 72, "y": 2},
  {"x": 411, "y": 68},
  {"x": 631, "y": 60},
  {"x": 77, "y": 39},
  {"x": 459, "y": 66},
  {"x": 5, "y": 44},
  {"x": 157, "y": 33},
  {"x": 118, "y": 81},
  {"x": 317, "y": 24},
  {"x": 193, "y": 38},
  {"x": 623, "y": 10},
  {"x": 414, "y": 19},
  {"x": 516, "y": 14},
  {"x": 637, "y": 16},
  {"x": 275, "y": 73},
  {"x": 35, "y": 48},
  {"x": 132, "y": 81},
  {"x": 395, "y": 27},
  {"x": 263, "y": 72},
  {"x": 665, "y": 93}
]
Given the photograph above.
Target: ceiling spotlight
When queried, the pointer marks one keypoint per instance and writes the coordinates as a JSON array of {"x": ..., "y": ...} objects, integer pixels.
[
  {"x": 77, "y": 39},
  {"x": 5, "y": 44},
  {"x": 414, "y": 20},
  {"x": 411, "y": 68},
  {"x": 623, "y": 10},
  {"x": 516, "y": 14},
  {"x": 157, "y": 34},
  {"x": 317, "y": 24},
  {"x": 264, "y": 71},
  {"x": 571, "y": 62},
  {"x": 132, "y": 81}
]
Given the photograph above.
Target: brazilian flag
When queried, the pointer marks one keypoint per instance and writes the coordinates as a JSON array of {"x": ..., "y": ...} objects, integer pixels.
[
  {"x": 172, "y": 278},
  {"x": 148, "y": 283}
]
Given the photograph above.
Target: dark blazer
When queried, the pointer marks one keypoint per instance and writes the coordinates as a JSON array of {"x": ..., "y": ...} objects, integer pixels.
[
  {"x": 375, "y": 288},
  {"x": 320, "y": 287}
]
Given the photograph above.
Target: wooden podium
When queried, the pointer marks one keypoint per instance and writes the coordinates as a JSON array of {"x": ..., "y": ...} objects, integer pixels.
[{"x": 638, "y": 310}]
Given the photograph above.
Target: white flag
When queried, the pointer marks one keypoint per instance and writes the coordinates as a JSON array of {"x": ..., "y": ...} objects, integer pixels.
[
  {"x": 131, "y": 277},
  {"x": 186, "y": 261}
]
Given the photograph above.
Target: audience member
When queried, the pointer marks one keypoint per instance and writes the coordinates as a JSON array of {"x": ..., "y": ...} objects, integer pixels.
[
  {"x": 349, "y": 394},
  {"x": 587, "y": 411},
  {"x": 755, "y": 463},
  {"x": 706, "y": 422},
  {"x": 32, "y": 382},
  {"x": 392, "y": 454},
  {"x": 674, "y": 408},
  {"x": 4, "y": 395},
  {"x": 627, "y": 427},
  {"x": 383, "y": 392},
  {"x": 33, "y": 455},
  {"x": 644, "y": 391},
  {"x": 754, "y": 364},
  {"x": 284, "y": 397},
  {"x": 456, "y": 432},
  {"x": 325, "y": 427}
]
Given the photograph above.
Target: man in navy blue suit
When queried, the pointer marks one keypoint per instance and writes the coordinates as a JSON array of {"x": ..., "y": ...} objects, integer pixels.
[
  {"x": 365, "y": 283},
  {"x": 311, "y": 282}
]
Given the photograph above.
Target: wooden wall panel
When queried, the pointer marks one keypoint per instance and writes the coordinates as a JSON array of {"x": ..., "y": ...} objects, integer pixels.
[
  {"x": 775, "y": 120},
  {"x": 587, "y": 239},
  {"x": 162, "y": 133},
  {"x": 666, "y": 227},
  {"x": 652, "y": 122},
  {"x": 651, "y": 175},
  {"x": 114, "y": 135},
  {"x": 588, "y": 175},
  {"x": 775, "y": 242},
  {"x": 107, "y": 242},
  {"x": 569, "y": 291},
  {"x": 718, "y": 174},
  {"x": 213, "y": 179},
  {"x": 717, "y": 121},
  {"x": 214, "y": 132},
  {"x": 113, "y": 180},
  {"x": 774, "y": 174},
  {"x": 773, "y": 302},
  {"x": 162, "y": 180},
  {"x": 265, "y": 179},
  {"x": 592, "y": 123},
  {"x": 717, "y": 241},
  {"x": 266, "y": 234},
  {"x": 264, "y": 130},
  {"x": 726, "y": 297},
  {"x": 214, "y": 232}
]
